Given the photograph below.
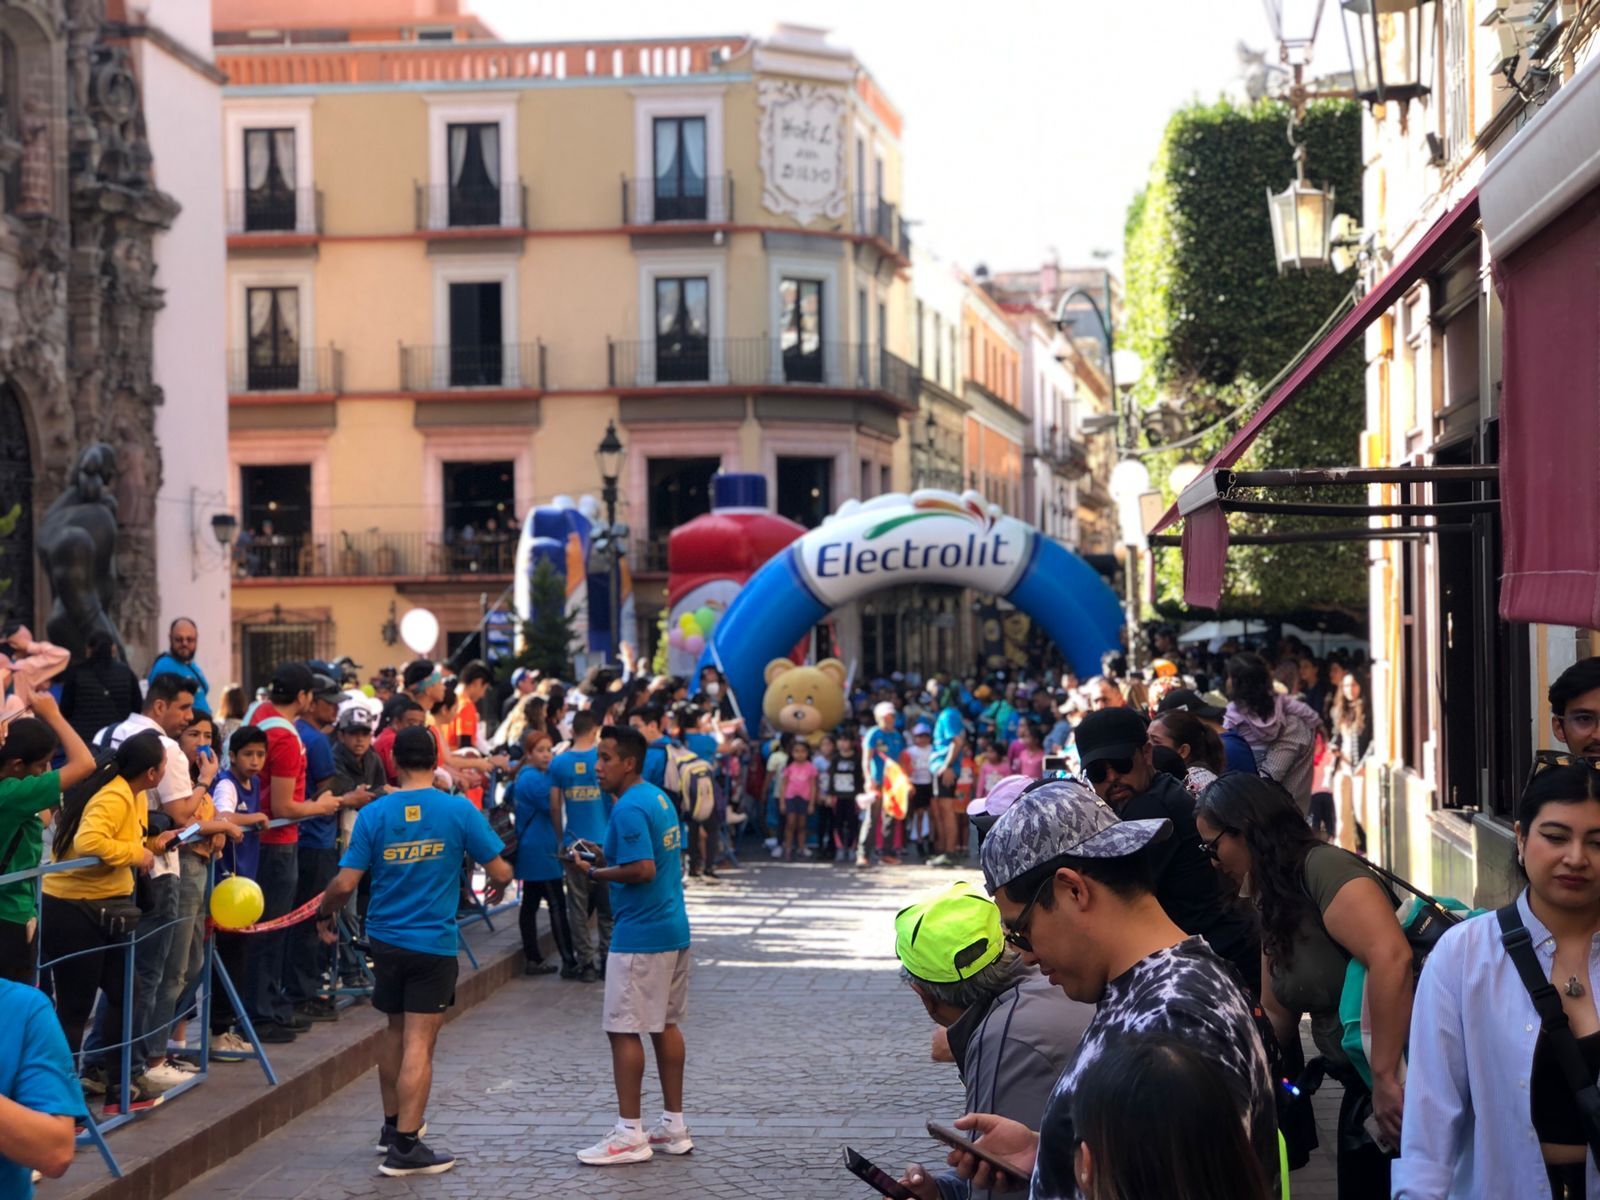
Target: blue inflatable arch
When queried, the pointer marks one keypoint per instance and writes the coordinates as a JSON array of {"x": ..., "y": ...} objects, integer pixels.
[{"x": 926, "y": 537}]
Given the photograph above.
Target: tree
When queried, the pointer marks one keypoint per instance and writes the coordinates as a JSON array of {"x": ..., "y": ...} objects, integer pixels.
[
  {"x": 1215, "y": 323},
  {"x": 547, "y": 634}
]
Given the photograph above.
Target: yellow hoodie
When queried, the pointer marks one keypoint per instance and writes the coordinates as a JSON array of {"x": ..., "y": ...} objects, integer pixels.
[{"x": 112, "y": 830}]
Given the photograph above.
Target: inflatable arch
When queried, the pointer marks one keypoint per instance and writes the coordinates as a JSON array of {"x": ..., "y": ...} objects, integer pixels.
[{"x": 927, "y": 537}]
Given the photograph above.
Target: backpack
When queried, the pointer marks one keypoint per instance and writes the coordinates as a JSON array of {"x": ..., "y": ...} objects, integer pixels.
[{"x": 690, "y": 778}]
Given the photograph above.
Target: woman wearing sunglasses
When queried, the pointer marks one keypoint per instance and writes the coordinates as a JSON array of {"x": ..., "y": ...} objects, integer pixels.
[
  {"x": 1489, "y": 1111},
  {"x": 1320, "y": 907}
]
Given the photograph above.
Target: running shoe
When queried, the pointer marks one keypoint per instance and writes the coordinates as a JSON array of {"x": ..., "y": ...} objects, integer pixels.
[
  {"x": 165, "y": 1076},
  {"x": 230, "y": 1047},
  {"x": 419, "y": 1160},
  {"x": 386, "y": 1136},
  {"x": 616, "y": 1148},
  {"x": 669, "y": 1141},
  {"x": 140, "y": 1097}
]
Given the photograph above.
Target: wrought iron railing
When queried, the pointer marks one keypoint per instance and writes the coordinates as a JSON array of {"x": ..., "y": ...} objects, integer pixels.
[
  {"x": 439, "y": 368},
  {"x": 457, "y": 206},
  {"x": 274, "y": 210},
  {"x": 760, "y": 362},
  {"x": 373, "y": 554},
  {"x": 311, "y": 369},
  {"x": 654, "y": 201}
]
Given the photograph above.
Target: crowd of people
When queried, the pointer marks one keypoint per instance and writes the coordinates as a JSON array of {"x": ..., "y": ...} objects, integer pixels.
[{"x": 1163, "y": 900}]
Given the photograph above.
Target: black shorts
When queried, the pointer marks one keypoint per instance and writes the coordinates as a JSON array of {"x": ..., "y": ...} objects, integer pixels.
[
  {"x": 406, "y": 981},
  {"x": 921, "y": 796}
]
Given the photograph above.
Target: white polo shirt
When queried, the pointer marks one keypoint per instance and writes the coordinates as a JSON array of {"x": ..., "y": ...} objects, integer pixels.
[{"x": 175, "y": 782}]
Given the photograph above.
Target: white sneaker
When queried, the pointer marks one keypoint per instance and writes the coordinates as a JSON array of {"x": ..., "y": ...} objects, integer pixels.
[
  {"x": 770, "y": 843},
  {"x": 777, "y": 852},
  {"x": 616, "y": 1148},
  {"x": 670, "y": 1141},
  {"x": 164, "y": 1076},
  {"x": 182, "y": 1065}
]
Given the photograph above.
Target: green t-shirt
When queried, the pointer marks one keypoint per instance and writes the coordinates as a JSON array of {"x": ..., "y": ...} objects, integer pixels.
[
  {"x": 1315, "y": 978},
  {"x": 21, "y": 802}
]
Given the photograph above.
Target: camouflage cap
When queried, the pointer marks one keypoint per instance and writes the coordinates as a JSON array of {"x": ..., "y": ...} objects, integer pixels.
[{"x": 1056, "y": 818}]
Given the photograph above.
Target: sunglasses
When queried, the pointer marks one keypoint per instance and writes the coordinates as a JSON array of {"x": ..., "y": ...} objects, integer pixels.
[
  {"x": 1098, "y": 770},
  {"x": 1016, "y": 932},
  {"x": 1209, "y": 849},
  {"x": 1545, "y": 760}
]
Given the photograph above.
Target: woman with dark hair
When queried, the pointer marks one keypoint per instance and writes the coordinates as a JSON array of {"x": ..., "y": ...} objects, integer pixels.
[
  {"x": 1196, "y": 743},
  {"x": 1489, "y": 1111},
  {"x": 230, "y": 718},
  {"x": 101, "y": 691},
  {"x": 1199, "y": 1151},
  {"x": 1348, "y": 717},
  {"x": 1281, "y": 732},
  {"x": 1320, "y": 907}
]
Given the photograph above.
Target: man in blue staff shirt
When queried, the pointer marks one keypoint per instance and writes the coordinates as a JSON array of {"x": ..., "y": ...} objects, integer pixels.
[
  {"x": 412, "y": 841},
  {"x": 647, "y": 977},
  {"x": 39, "y": 1094}
]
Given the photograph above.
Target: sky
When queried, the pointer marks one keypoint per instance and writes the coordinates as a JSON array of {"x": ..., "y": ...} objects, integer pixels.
[{"x": 1029, "y": 124}]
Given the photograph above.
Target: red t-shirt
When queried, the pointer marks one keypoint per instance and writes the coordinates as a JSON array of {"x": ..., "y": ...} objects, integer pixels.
[{"x": 286, "y": 755}]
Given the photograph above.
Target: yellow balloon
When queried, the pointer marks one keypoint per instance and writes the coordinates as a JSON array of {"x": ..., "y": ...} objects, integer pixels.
[
  {"x": 688, "y": 624},
  {"x": 237, "y": 902}
]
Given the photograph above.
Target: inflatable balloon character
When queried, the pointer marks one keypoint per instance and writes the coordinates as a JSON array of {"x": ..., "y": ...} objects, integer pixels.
[{"x": 808, "y": 701}]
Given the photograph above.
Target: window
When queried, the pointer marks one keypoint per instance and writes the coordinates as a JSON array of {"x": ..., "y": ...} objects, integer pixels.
[
  {"x": 883, "y": 479},
  {"x": 269, "y": 196},
  {"x": 883, "y": 326},
  {"x": 277, "y": 519},
  {"x": 680, "y": 490},
  {"x": 861, "y": 185},
  {"x": 938, "y": 349},
  {"x": 863, "y": 351},
  {"x": 480, "y": 504},
  {"x": 435, "y": 33},
  {"x": 680, "y": 168},
  {"x": 273, "y": 357},
  {"x": 921, "y": 366},
  {"x": 473, "y": 197},
  {"x": 805, "y": 489},
  {"x": 683, "y": 329},
  {"x": 477, "y": 355},
  {"x": 866, "y": 480},
  {"x": 800, "y": 333},
  {"x": 1457, "y": 80}
]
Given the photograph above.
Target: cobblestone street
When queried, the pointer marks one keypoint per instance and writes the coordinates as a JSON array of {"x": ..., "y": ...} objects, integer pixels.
[{"x": 801, "y": 1040}]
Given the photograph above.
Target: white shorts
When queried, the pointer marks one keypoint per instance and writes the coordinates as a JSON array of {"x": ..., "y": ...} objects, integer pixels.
[{"x": 646, "y": 992}]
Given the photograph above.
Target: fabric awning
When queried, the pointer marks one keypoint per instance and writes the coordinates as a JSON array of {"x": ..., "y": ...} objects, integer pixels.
[
  {"x": 1541, "y": 213},
  {"x": 1205, "y": 526}
]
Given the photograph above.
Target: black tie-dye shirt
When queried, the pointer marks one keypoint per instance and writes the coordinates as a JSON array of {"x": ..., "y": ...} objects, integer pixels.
[{"x": 1184, "y": 991}]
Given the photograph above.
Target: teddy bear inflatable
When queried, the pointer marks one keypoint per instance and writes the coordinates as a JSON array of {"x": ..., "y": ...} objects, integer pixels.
[{"x": 808, "y": 701}]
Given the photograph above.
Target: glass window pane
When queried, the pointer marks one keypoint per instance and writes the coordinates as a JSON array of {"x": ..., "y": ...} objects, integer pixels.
[
  {"x": 666, "y": 130},
  {"x": 789, "y": 300},
  {"x": 696, "y": 295},
  {"x": 668, "y": 293}
]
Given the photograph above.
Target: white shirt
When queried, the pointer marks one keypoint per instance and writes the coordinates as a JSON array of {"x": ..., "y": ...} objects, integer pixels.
[
  {"x": 1468, "y": 1130},
  {"x": 225, "y": 796},
  {"x": 175, "y": 782}
]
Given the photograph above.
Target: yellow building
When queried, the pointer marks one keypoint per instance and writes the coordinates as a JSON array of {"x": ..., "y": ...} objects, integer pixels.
[{"x": 453, "y": 262}]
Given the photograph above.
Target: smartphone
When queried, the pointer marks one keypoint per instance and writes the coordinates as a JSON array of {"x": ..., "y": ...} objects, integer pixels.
[
  {"x": 1056, "y": 764},
  {"x": 876, "y": 1177},
  {"x": 1377, "y": 1135},
  {"x": 189, "y": 834},
  {"x": 957, "y": 1140},
  {"x": 588, "y": 856}
]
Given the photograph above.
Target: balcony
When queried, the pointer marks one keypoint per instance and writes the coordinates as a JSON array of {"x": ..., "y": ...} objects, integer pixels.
[
  {"x": 372, "y": 555},
  {"x": 760, "y": 362},
  {"x": 315, "y": 370},
  {"x": 441, "y": 368},
  {"x": 649, "y": 555},
  {"x": 657, "y": 202},
  {"x": 443, "y": 206},
  {"x": 274, "y": 210},
  {"x": 874, "y": 217}
]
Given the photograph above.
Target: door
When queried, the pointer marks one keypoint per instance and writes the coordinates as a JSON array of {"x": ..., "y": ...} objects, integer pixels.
[
  {"x": 474, "y": 191},
  {"x": 801, "y": 337},
  {"x": 680, "y": 163},
  {"x": 273, "y": 357},
  {"x": 476, "y": 352},
  {"x": 683, "y": 330},
  {"x": 275, "y": 538},
  {"x": 269, "y": 167}
]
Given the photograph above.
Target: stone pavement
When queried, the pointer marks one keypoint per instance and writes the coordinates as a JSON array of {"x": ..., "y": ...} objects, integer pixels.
[{"x": 801, "y": 1040}]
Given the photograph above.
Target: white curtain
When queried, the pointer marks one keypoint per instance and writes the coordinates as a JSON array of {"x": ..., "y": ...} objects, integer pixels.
[
  {"x": 694, "y": 154},
  {"x": 257, "y": 158},
  {"x": 458, "y": 151},
  {"x": 260, "y": 312},
  {"x": 283, "y": 151},
  {"x": 666, "y": 150},
  {"x": 288, "y": 323},
  {"x": 489, "y": 146}
]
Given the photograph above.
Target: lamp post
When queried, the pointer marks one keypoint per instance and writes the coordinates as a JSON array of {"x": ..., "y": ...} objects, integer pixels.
[
  {"x": 609, "y": 455},
  {"x": 1391, "y": 45}
]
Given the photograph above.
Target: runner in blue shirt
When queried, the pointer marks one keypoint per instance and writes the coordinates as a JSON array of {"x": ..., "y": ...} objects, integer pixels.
[
  {"x": 949, "y": 741},
  {"x": 647, "y": 978},
  {"x": 412, "y": 842},
  {"x": 39, "y": 1094},
  {"x": 580, "y": 811}
]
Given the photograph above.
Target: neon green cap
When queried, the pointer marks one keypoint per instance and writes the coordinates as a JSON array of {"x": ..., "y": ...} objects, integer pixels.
[{"x": 949, "y": 935}]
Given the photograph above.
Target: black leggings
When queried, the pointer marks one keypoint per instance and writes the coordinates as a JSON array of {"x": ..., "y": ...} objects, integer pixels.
[
  {"x": 67, "y": 929},
  {"x": 16, "y": 953},
  {"x": 1567, "y": 1181},
  {"x": 549, "y": 891},
  {"x": 230, "y": 950}
]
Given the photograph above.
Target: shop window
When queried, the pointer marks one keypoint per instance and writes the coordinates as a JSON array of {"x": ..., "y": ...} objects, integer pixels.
[{"x": 805, "y": 490}]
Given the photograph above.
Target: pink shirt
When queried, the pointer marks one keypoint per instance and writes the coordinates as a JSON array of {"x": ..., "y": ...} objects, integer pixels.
[
  {"x": 989, "y": 774},
  {"x": 799, "y": 778},
  {"x": 1028, "y": 762}
]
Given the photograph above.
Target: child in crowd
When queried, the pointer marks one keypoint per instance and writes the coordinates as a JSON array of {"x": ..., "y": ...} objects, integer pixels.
[
  {"x": 799, "y": 797},
  {"x": 236, "y": 795},
  {"x": 916, "y": 762},
  {"x": 844, "y": 785},
  {"x": 1027, "y": 752},
  {"x": 823, "y": 758},
  {"x": 992, "y": 768},
  {"x": 777, "y": 760}
]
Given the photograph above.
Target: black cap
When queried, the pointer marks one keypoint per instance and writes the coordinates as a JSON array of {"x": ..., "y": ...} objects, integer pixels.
[
  {"x": 289, "y": 680},
  {"x": 325, "y": 687},
  {"x": 1190, "y": 702},
  {"x": 1110, "y": 733}
]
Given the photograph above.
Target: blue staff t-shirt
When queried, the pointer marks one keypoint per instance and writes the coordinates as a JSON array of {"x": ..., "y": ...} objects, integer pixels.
[
  {"x": 36, "y": 1071},
  {"x": 317, "y": 832},
  {"x": 946, "y": 729},
  {"x": 655, "y": 761},
  {"x": 648, "y": 918},
  {"x": 411, "y": 844},
  {"x": 536, "y": 832},
  {"x": 584, "y": 806},
  {"x": 879, "y": 745}
]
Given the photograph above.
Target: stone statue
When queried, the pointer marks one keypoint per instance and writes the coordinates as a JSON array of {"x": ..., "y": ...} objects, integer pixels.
[
  {"x": 35, "y": 188},
  {"x": 78, "y": 548}
]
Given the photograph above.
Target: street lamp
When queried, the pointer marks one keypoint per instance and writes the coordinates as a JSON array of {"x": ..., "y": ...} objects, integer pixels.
[
  {"x": 1391, "y": 45},
  {"x": 1294, "y": 27},
  {"x": 1302, "y": 220},
  {"x": 609, "y": 455}
]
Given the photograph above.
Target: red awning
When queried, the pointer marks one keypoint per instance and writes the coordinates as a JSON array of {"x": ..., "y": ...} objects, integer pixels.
[{"x": 1205, "y": 526}]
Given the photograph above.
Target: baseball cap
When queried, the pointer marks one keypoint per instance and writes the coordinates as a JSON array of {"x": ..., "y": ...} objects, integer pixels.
[
  {"x": 1061, "y": 817},
  {"x": 1002, "y": 795},
  {"x": 1192, "y": 702},
  {"x": 354, "y": 716},
  {"x": 325, "y": 687},
  {"x": 921, "y": 727},
  {"x": 949, "y": 935},
  {"x": 883, "y": 708},
  {"x": 290, "y": 679},
  {"x": 1110, "y": 733}
]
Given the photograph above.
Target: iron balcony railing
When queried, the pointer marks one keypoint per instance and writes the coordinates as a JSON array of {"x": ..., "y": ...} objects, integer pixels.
[
  {"x": 655, "y": 201},
  {"x": 274, "y": 210},
  {"x": 373, "y": 554},
  {"x": 312, "y": 369},
  {"x": 453, "y": 206},
  {"x": 872, "y": 216},
  {"x": 760, "y": 362},
  {"x": 649, "y": 554},
  {"x": 439, "y": 368}
]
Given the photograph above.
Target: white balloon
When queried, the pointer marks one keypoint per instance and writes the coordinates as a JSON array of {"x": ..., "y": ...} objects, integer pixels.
[
  {"x": 589, "y": 506},
  {"x": 562, "y": 501},
  {"x": 419, "y": 630}
]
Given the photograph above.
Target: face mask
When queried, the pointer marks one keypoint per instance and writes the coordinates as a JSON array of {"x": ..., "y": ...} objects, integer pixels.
[{"x": 713, "y": 688}]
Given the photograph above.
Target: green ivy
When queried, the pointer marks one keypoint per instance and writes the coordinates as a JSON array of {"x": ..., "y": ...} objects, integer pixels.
[{"x": 1215, "y": 322}]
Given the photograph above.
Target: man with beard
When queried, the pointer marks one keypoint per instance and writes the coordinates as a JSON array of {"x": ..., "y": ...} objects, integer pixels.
[{"x": 183, "y": 639}]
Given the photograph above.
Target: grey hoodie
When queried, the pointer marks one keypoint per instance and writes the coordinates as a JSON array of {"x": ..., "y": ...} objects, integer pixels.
[{"x": 1011, "y": 1051}]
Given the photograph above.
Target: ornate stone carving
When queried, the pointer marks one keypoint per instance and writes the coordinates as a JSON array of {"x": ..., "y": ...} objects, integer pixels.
[
  {"x": 36, "y": 190},
  {"x": 802, "y": 149}
]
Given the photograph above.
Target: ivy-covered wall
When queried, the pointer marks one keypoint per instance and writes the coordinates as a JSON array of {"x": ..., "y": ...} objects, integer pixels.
[{"x": 1214, "y": 322}]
